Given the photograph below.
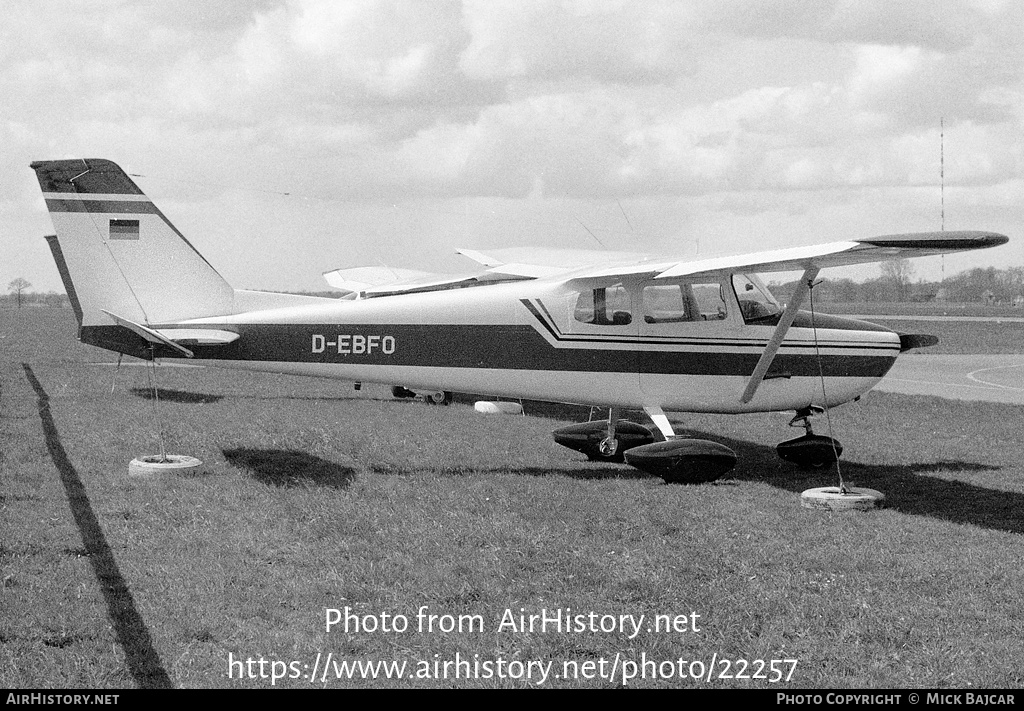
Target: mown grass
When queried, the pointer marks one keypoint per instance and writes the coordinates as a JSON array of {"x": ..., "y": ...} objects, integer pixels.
[
  {"x": 1001, "y": 332},
  {"x": 930, "y": 308},
  {"x": 316, "y": 496}
]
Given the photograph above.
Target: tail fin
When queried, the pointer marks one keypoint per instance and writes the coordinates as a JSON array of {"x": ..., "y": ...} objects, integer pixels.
[{"x": 118, "y": 254}]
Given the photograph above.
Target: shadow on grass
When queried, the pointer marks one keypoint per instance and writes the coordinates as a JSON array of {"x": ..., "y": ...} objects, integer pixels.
[
  {"x": 908, "y": 488},
  {"x": 190, "y": 398},
  {"x": 595, "y": 471},
  {"x": 182, "y": 396},
  {"x": 141, "y": 657},
  {"x": 290, "y": 468}
]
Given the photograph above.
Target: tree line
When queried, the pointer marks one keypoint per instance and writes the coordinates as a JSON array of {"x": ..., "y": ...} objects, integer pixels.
[
  {"x": 896, "y": 284},
  {"x": 20, "y": 295}
]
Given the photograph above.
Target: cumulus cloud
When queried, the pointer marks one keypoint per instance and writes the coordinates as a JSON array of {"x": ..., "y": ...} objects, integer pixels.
[
  {"x": 724, "y": 105},
  {"x": 604, "y": 40}
]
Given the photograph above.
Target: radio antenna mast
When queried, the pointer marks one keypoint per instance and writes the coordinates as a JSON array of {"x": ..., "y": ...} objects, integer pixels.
[{"x": 942, "y": 185}]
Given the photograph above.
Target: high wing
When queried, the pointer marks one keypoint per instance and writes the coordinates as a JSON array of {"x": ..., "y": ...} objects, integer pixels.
[
  {"x": 537, "y": 263},
  {"x": 583, "y": 264},
  {"x": 368, "y": 282},
  {"x": 840, "y": 254},
  {"x": 522, "y": 263}
]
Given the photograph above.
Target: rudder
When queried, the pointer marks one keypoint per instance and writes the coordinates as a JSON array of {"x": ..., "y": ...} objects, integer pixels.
[{"x": 117, "y": 252}]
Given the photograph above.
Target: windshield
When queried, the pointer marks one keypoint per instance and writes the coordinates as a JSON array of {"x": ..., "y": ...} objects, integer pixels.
[{"x": 756, "y": 303}]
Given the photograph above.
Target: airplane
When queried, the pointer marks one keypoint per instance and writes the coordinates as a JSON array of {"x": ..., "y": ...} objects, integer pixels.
[{"x": 626, "y": 331}]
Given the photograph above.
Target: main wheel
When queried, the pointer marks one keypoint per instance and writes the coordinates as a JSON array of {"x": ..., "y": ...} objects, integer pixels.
[
  {"x": 438, "y": 397},
  {"x": 683, "y": 461},
  {"x": 586, "y": 437}
]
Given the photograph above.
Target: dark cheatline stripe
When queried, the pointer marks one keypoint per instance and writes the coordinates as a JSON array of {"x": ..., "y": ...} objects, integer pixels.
[
  {"x": 490, "y": 347},
  {"x": 804, "y": 319},
  {"x": 109, "y": 206},
  {"x": 65, "y": 276},
  {"x": 549, "y": 326}
]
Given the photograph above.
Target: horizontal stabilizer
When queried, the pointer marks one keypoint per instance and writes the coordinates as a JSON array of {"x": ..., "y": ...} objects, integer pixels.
[
  {"x": 198, "y": 336},
  {"x": 175, "y": 337},
  {"x": 149, "y": 334}
]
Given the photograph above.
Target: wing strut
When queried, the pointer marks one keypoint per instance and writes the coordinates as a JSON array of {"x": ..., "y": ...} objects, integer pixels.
[
  {"x": 657, "y": 415},
  {"x": 765, "y": 362}
]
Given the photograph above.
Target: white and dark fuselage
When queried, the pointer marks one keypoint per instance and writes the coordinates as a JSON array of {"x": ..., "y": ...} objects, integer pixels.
[{"x": 525, "y": 340}]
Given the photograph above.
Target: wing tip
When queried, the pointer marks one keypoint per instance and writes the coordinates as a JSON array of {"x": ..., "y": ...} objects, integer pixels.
[{"x": 955, "y": 240}]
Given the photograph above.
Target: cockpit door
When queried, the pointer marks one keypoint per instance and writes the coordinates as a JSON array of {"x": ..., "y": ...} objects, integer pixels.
[{"x": 686, "y": 328}]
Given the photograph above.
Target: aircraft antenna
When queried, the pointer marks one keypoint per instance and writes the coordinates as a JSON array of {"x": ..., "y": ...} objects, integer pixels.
[
  {"x": 591, "y": 233},
  {"x": 622, "y": 209},
  {"x": 942, "y": 185},
  {"x": 942, "y": 172}
]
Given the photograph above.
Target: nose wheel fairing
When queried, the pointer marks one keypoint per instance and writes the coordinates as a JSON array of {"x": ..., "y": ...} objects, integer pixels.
[{"x": 810, "y": 451}]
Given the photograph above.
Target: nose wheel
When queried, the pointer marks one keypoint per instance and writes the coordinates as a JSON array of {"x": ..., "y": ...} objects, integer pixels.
[{"x": 811, "y": 451}]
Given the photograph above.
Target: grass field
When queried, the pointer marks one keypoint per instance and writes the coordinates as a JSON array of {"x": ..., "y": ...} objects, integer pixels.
[
  {"x": 930, "y": 308},
  {"x": 1002, "y": 332},
  {"x": 314, "y": 496}
]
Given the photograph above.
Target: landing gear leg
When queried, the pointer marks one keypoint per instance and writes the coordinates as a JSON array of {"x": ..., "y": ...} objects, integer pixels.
[
  {"x": 660, "y": 420},
  {"x": 609, "y": 446},
  {"x": 604, "y": 441},
  {"x": 803, "y": 416}
]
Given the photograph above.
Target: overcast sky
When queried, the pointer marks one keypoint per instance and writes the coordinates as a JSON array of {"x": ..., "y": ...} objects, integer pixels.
[{"x": 285, "y": 138}]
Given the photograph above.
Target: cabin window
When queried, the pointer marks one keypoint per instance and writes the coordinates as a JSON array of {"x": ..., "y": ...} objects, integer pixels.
[
  {"x": 677, "y": 303},
  {"x": 757, "y": 304},
  {"x": 604, "y": 306},
  {"x": 668, "y": 303}
]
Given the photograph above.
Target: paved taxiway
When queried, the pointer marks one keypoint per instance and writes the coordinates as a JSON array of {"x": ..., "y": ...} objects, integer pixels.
[{"x": 995, "y": 378}]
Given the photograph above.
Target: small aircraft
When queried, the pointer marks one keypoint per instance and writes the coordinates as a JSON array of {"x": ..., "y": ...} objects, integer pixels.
[{"x": 611, "y": 329}]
